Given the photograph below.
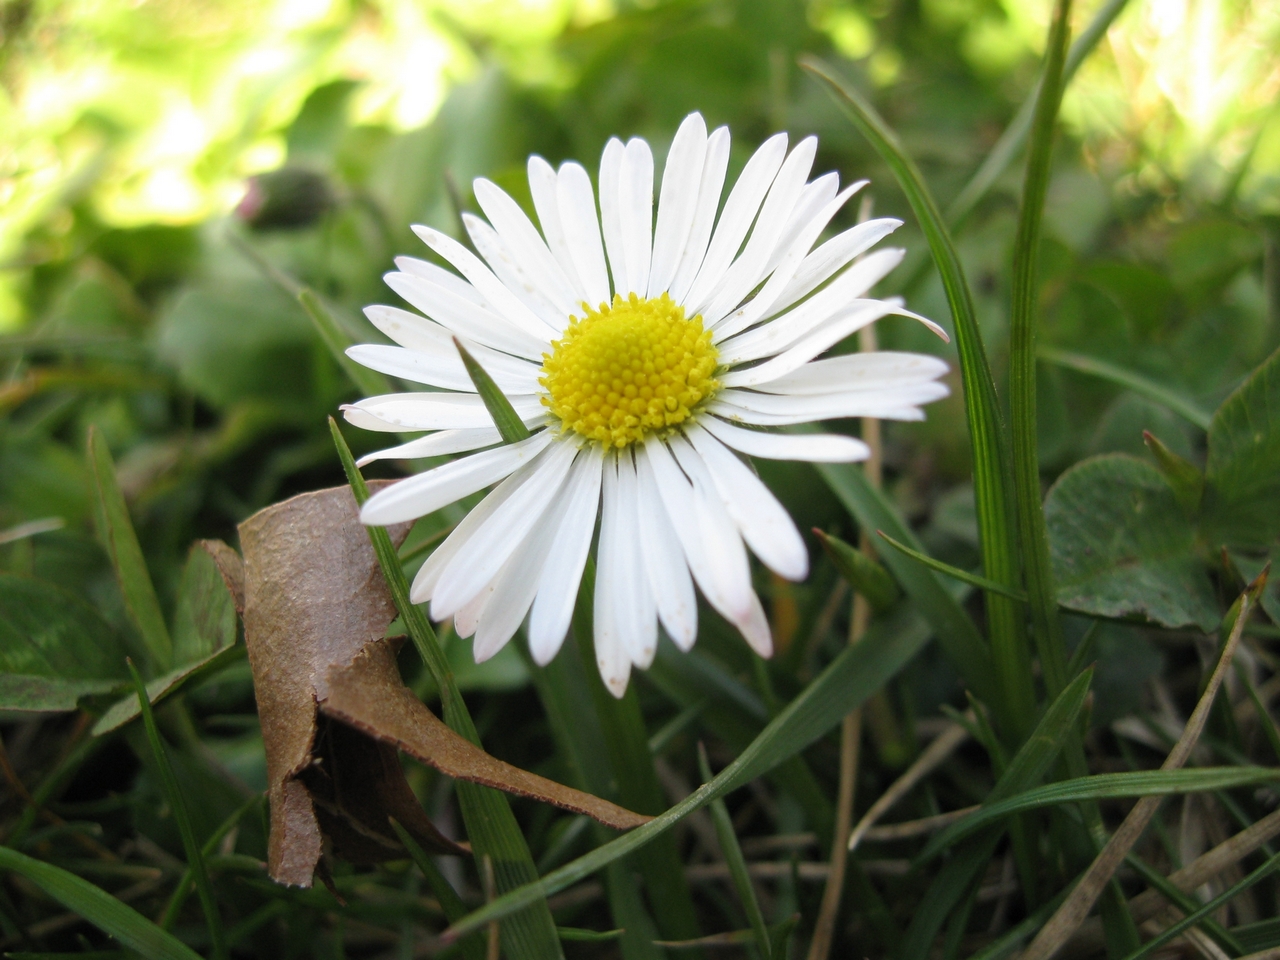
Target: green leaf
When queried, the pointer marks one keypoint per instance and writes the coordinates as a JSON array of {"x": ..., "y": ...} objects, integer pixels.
[
  {"x": 495, "y": 835},
  {"x": 947, "y": 570},
  {"x": 1122, "y": 546},
  {"x": 178, "y": 805},
  {"x": 864, "y": 574},
  {"x": 1127, "y": 379},
  {"x": 205, "y": 621},
  {"x": 472, "y": 948},
  {"x": 510, "y": 426},
  {"x": 992, "y": 468},
  {"x": 54, "y": 647},
  {"x": 165, "y": 685},
  {"x": 853, "y": 676},
  {"x": 953, "y": 627},
  {"x": 369, "y": 382},
  {"x": 115, "y": 530},
  {"x": 1242, "y": 480},
  {"x": 104, "y": 911}
]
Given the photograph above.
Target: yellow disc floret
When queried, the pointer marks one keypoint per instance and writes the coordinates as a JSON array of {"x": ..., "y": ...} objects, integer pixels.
[{"x": 631, "y": 368}]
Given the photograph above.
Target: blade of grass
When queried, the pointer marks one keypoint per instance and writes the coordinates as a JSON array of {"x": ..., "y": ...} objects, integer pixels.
[
  {"x": 1076, "y": 907},
  {"x": 855, "y": 674},
  {"x": 1184, "y": 902},
  {"x": 115, "y": 530},
  {"x": 187, "y": 881},
  {"x": 953, "y": 627},
  {"x": 737, "y": 862},
  {"x": 1015, "y": 705},
  {"x": 505, "y": 418},
  {"x": 863, "y": 574},
  {"x": 1046, "y": 626},
  {"x": 955, "y": 573},
  {"x": 494, "y": 832},
  {"x": 369, "y": 382},
  {"x": 104, "y": 911},
  {"x": 1130, "y": 381},
  {"x": 454, "y": 909},
  {"x": 178, "y": 805}
]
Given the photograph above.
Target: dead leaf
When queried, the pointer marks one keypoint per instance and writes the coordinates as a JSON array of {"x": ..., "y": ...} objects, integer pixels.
[{"x": 316, "y": 609}]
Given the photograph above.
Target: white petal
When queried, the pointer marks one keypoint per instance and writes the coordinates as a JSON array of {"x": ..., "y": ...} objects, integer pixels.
[
  {"x": 461, "y": 316},
  {"x": 668, "y": 572},
  {"x": 776, "y": 410},
  {"x": 524, "y": 241},
  {"x": 365, "y": 421},
  {"x": 636, "y": 213},
  {"x": 560, "y": 576},
  {"x": 482, "y": 556},
  {"x": 639, "y": 614},
  {"x": 442, "y": 370},
  {"x": 811, "y": 447},
  {"x": 490, "y": 287},
  {"x": 611, "y": 163},
  {"x": 546, "y": 201},
  {"x": 878, "y": 370},
  {"x": 781, "y": 332},
  {"x": 709, "y": 188},
  {"x": 468, "y": 617},
  {"x": 748, "y": 270},
  {"x": 765, "y": 524},
  {"x": 612, "y": 657},
  {"x": 762, "y": 303},
  {"x": 724, "y": 554},
  {"x": 514, "y": 274},
  {"x": 427, "y": 492},
  {"x": 739, "y": 212},
  {"x": 582, "y": 231},
  {"x": 439, "y": 410},
  {"x": 429, "y": 573},
  {"x": 677, "y": 204},
  {"x": 817, "y": 193},
  {"x": 822, "y": 264},
  {"x": 437, "y": 445},
  {"x": 441, "y": 277}
]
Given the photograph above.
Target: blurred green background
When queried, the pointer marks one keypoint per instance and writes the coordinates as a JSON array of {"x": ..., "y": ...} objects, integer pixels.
[{"x": 164, "y": 162}]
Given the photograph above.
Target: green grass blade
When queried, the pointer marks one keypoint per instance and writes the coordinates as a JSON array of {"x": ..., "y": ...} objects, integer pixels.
[
  {"x": 1083, "y": 653},
  {"x": 1105, "y": 786},
  {"x": 863, "y": 574},
  {"x": 492, "y": 827},
  {"x": 1028, "y": 502},
  {"x": 1015, "y": 706},
  {"x": 115, "y": 530},
  {"x": 1130, "y": 381},
  {"x": 1184, "y": 902},
  {"x": 737, "y": 863},
  {"x": 1015, "y": 135},
  {"x": 371, "y": 383},
  {"x": 1191, "y": 919},
  {"x": 955, "y": 573},
  {"x": 952, "y": 884},
  {"x": 104, "y": 911},
  {"x": 953, "y": 627},
  {"x": 182, "y": 816},
  {"x": 853, "y": 676},
  {"x": 505, "y": 418},
  {"x": 454, "y": 909},
  {"x": 185, "y": 884}
]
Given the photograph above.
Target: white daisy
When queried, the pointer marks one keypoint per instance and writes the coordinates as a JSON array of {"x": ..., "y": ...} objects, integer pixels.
[{"x": 642, "y": 391}]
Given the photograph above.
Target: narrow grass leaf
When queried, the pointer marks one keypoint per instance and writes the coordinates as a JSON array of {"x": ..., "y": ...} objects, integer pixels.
[
  {"x": 1184, "y": 902},
  {"x": 737, "y": 863},
  {"x": 1015, "y": 706},
  {"x": 510, "y": 426},
  {"x": 528, "y": 934},
  {"x": 182, "y": 816},
  {"x": 369, "y": 382},
  {"x": 104, "y": 911},
  {"x": 454, "y": 909},
  {"x": 187, "y": 881},
  {"x": 853, "y": 676},
  {"x": 864, "y": 574},
  {"x": 955, "y": 573},
  {"x": 115, "y": 530},
  {"x": 1128, "y": 379}
]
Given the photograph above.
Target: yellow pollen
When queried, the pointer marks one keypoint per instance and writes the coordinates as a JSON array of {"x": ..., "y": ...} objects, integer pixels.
[{"x": 631, "y": 368}]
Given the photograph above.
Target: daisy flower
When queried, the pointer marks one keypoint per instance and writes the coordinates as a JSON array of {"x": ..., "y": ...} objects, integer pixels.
[{"x": 647, "y": 358}]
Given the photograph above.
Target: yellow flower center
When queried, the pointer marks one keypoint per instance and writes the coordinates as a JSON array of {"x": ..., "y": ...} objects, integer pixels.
[{"x": 629, "y": 369}]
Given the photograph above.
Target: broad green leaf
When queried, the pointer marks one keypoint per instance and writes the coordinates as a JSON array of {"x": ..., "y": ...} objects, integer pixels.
[
  {"x": 205, "y": 621},
  {"x": 1122, "y": 546},
  {"x": 115, "y": 530},
  {"x": 165, "y": 685},
  {"x": 54, "y": 647},
  {"x": 853, "y": 676},
  {"x": 1242, "y": 482},
  {"x": 104, "y": 911}
]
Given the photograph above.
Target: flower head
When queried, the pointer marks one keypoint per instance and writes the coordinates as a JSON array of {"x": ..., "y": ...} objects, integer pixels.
[{"x": 647, "y": 358}]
